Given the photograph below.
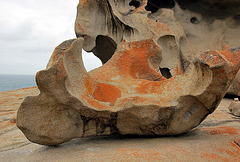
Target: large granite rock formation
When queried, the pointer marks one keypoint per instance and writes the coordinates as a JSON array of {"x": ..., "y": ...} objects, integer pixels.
[
  {"x": 159, "y": 76},
  {"x": 216, "y": 139}
]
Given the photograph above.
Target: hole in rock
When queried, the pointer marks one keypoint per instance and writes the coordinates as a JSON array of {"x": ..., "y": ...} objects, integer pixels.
[
  {"x": 134, "y": 3},
  {"x": 194, "y": 20},
  {"x": 166, "y": 72},
  {"x": 217, "y": 9},
  {"x": 154, "y": 5},
  {"x": 90, "y": 61},
  {"x": 105, "y": 48},
  {"x": 231, "y": 96}
]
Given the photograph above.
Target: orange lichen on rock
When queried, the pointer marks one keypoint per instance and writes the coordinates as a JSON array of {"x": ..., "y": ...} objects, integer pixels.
[
  {"x": 80, "y": 27},
  {"x": 217, "y": 58},
  {"x": 96, "y": 104},
  {"x": 178, "y": 71},
  {"x": 158, "y": 28},
  {"x": 129, "y": 94},
  {"x": 142, "y": 7},
  {"x": 106, "y": 93},
  {"x": 83, "y": 3},
  {"x": 149, "y": 87},
  {"x": 223, "y": 152},
  {"x": 134, "y": 60},
  {"x": 212, "y": 58},
  {"x": 58, "y": 52},
  {"x": 8, "y": 123},
  {"x": 232, "y": 55},
  {"x": 214, "y": 156},
  {"x": 222, "y": 130},
  {"x": 231, "y": 153},
  {"x": 89, "y": 86},
  {"x": 141, "y": 154}
]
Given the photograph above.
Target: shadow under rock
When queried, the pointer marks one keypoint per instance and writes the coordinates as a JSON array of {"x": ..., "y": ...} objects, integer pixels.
[
  {"x": 231, "y": 96},
  {"x": 98, "y": 140}
]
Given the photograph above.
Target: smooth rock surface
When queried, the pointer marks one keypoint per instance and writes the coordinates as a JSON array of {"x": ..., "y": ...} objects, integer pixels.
[{"x": 216, "y": 139}]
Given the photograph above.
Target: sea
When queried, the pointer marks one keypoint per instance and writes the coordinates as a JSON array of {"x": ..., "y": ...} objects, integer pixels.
[{"x": 10, "y": 82}]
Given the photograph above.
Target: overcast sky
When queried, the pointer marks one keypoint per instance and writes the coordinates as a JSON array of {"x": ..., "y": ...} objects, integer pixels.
[{"x": 31, "y": 29}]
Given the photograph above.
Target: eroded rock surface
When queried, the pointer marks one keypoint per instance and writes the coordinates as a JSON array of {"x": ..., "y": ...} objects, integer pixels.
[
  {"x": 192, "y": 27},
  {"x": 159, "y": 76},
  {"x": 234, "y": 107},
  {"x": 234, "y": 88},
  {"x": 217, "y": 138}
]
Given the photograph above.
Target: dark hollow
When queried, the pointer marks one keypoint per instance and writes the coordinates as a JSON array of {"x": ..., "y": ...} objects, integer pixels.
[
  {"x": 134, "y": 3},
  {"x": 165, "y": 72},
  {"x": 209, "y": 9},
  {"x": 154, "y": 5},
  {"x": 105, "y": 48},
  {"x": 227, "y": 95},
  {"x": 194, "y": 20}
]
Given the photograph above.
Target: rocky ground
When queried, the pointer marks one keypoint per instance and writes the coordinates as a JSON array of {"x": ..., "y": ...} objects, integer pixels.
[{"x": 216, "y": 139}]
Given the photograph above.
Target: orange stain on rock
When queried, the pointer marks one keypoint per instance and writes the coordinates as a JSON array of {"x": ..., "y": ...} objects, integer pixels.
[
  {"x": 222, "y": 130},
  {"x": 214, "y": 156},
  {"x": 8, "y": 123},
  {"x": 134, "y": 60},
  {"x": 96, "y": 104},
  {"x": 80, "y": 27},
  {"x": 231, "y": 153},
  {"x": 143, "y": 154},
  {"x": 159, "y": 28},
  {"x": 142, "y": 7},
  {"x": 215, "y": 59},
  {"x": 13, "y": 120},
  {"x": 61, "y": 71},
  {"x": 212, "y": 58},
  {"x": 148, "y": 87},
  {"x": 178, "y": 71},
  {"x": 83, "y": 3},
  {"x": 224, "y": 152},
  {"x": 107, "y": 93},
  {"x": 88, "y": 85},
  {"x": 231, "y": 56}
]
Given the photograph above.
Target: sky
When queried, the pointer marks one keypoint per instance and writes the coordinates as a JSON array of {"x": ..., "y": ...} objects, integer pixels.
[{"x": 31, "y": 29}]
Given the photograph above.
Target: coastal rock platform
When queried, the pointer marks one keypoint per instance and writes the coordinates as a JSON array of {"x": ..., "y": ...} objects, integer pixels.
[{"x": 216, "y": 139}]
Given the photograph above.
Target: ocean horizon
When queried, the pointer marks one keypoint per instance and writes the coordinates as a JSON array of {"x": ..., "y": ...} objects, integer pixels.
[{"x": 9, "y": 82}]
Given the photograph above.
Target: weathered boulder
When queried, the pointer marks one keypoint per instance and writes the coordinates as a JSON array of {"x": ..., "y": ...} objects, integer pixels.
[
  {"x": 125, "y": 96},
  {"x": 234, "y": 107},
  {"x": 188, "y": 28},
  {"x": 158, "y": 77},
  {"x": 234, "y": 88},
  {"x": 216, "y": 139}
]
